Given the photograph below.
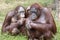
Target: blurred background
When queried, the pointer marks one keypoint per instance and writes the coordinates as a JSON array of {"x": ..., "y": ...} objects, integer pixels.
[{"x": 7, "y": 5}]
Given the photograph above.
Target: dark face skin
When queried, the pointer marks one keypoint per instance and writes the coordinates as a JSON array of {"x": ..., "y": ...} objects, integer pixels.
[
  {"x": 33, "y": 13},
  {"x": 21, "y": 12}
]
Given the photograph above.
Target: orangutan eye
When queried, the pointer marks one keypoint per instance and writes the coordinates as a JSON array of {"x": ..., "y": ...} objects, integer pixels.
[
  {"x": 22, "y": 11},
  {"x": 33, "y": 10},
  {"x": 21, "y": 14}
]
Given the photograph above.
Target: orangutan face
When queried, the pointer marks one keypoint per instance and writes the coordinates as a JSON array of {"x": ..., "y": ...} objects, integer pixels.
[
  {"x": 21, "y": 12},
  {"x": 33, "y": 13}
]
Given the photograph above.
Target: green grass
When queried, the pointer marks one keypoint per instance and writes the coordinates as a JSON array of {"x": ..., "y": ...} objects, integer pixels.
[
  {"x": 57, "y": 36},
  {"x": 9, "y": 37},
  {"x": 7, "y": 5}
]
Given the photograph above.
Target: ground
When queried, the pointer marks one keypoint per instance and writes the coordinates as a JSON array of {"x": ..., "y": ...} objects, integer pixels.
[{"x": 7, "y": 5}]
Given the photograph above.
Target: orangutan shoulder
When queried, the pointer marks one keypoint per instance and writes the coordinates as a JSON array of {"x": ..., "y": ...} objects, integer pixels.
[
  {"x": 46, "y": 10},
  {"x": 10, "y": 13}
]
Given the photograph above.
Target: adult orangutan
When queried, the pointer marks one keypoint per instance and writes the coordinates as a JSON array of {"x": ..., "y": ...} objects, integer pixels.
[
  {"x": 40, "y": 22},
  {"x": 14, "y": 20}
]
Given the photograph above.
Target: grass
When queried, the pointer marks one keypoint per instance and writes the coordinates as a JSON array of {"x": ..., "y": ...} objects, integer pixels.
[
  {"x": 9, "y": 37},
  {"x": 57, "y": 36},
  {"x": 7, "y": 5}
]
